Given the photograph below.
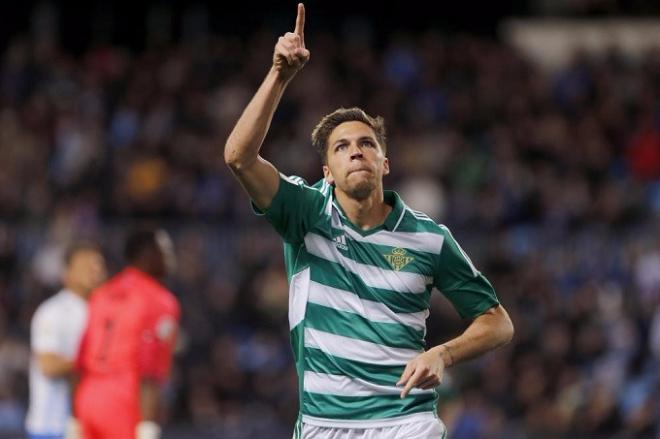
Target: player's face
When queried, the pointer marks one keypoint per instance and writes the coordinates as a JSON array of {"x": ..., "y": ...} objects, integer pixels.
[
  {"x": 355, "y": 160},
  {"x": 85, "y": 271}
]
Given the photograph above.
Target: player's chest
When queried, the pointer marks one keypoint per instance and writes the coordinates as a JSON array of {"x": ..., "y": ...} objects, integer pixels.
[
  {"x": 122, "y": 314},
  {"x": 383, "y": 250}
]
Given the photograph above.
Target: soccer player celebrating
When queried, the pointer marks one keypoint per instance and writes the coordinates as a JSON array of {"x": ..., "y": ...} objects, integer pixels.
[
  {"x": 57, "y": 327},
  {"x": 126, "y": 351},
  {"x": 361, "y": 267}
]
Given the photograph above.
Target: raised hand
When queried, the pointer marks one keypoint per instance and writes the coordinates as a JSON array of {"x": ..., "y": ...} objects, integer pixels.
[{"x": 290, "y": 54}]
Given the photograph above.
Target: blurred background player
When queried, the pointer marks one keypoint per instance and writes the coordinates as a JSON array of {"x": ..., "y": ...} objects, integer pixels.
[
  {"x": 57, "y": 327},
  {"x": 126, "y": 351}
]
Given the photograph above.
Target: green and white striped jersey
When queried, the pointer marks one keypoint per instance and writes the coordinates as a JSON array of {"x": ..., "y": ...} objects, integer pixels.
[{"x": 358, "y": 302}]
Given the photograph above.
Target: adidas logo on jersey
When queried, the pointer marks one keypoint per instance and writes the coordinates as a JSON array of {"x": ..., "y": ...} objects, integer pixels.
[{"x": 340, "y": 242}]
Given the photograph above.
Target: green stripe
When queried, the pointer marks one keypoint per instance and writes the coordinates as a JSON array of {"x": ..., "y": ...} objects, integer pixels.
[
  {"x": 294, "y": 259},
  {"x": 411, "y": 224},
  {"x": 374, "y": 255},
  {"x": 354, "y": 326},
  {"x": 334, "y": 275},
  {"x": 366, "y": 407},
  {"x": 296, "y": 336},
  {"x": 318, "y": 361}
]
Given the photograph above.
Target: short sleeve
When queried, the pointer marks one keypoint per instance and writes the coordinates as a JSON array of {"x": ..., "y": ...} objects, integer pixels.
[
  {"x": 157, "y": 343},
  {"x": 46, "y": 332},
  {"x": 458, "y": 280},
  {"x": 295, "y": 209}
]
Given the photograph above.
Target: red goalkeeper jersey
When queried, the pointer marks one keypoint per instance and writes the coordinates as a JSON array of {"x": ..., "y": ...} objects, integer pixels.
[{"x": 130, "y": 335}]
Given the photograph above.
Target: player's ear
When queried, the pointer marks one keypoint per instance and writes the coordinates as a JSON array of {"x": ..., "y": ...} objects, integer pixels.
[
  {"x": 328, "y": 174},
  {"x": 386, "y": 166}
]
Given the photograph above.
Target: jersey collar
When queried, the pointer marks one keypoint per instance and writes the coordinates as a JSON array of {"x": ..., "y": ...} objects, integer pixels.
[
  {"x": 398, "y": 209},
  {"x": 71, "y": 295},
  {"x": 135, "y": 273},
  {"x": 392, "y": 220}
]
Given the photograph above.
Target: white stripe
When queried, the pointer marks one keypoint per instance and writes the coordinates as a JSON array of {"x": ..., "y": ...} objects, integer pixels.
[
  {"x": 341, "y": 214},
  {"x": 328, "y": 206},
  {"x": 298, "y": 293},
  {"x": 475, "y": 272},
  {"x": 421, "y": 241},
  {"x": 341, "y": 385},
  {"x": 375, "y": 311},
  {"x": 299, "y": 181},
  {"x": 421, "y": 215},
  {"x": 375, "y": 277},
  {"x": 358, "y": 350},
  {"x": 326, "y": 187},
  {"x": 308, "y": 420},
  {"x": 293, "y": 179},
  {"x": 403, "y": 212}
]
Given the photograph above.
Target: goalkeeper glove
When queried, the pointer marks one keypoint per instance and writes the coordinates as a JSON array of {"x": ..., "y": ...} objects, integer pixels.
[{"x": 147, "y": 430}]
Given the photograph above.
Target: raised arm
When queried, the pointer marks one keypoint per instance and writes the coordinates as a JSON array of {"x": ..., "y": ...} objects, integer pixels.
[{"x": 259, "y": 177}]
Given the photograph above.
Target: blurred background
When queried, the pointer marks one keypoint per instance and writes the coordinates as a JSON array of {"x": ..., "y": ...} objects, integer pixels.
[{"x": 531, "y": 129}]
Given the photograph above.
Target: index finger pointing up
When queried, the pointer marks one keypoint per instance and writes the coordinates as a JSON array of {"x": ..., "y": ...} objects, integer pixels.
[{"x": 300, "y": 22}]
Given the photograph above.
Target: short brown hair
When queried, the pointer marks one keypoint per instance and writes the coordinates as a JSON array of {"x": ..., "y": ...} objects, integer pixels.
[
  {"x": 324, "y": 128},
  {"x": 79, "y": 246}
]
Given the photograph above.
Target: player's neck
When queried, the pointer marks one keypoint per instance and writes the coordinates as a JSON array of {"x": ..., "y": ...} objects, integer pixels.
[
  {"x": 78, "y": 292},
  {"x": 366, "y": 213},
  {"x": 146, "y": 267}
]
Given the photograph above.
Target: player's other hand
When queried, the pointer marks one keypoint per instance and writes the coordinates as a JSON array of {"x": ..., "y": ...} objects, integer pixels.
[
  {"x": 290, "y": 54},
  {"x": 147, "y": 430},
  {"x": 72, "y": 429},
  {"x": 424, "y": 371}
]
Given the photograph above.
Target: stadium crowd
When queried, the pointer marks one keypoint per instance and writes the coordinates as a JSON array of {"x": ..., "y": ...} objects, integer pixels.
[{"x": 550, "y": 180}]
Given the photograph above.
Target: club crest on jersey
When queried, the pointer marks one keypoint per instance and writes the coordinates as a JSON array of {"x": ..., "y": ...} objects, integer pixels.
[{"x": 398, "y": 258}]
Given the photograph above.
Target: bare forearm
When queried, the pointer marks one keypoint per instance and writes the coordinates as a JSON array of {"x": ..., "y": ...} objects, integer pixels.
[
  {"x": 244, "y": 142},
  {"x": 54, "y": 365},
  {"x": 74, "y": 380},
  {"x": 149, "y": 400},
  {"x": 260, "y": 178},
  {"x": 487, "y": 332}
]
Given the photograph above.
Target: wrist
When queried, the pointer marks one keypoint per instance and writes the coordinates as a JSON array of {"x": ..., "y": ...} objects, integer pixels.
[
  {"x": 279, "y": 76},
  {"x": 446, "y": 355},
  {"x": 147, "y": 430}
]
